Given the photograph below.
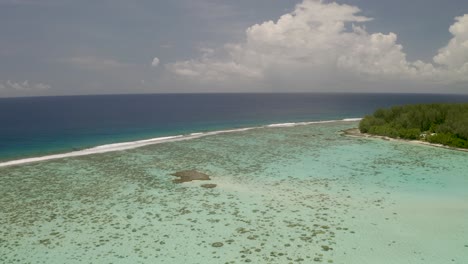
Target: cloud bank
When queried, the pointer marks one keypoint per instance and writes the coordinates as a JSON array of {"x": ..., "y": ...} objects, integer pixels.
[
  {"x": 23, "y": 86},
  {"x": 321, "y": 45}
]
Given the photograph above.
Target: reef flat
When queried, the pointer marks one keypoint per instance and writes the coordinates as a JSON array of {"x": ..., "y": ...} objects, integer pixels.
[{"x": 299, "y": 194}]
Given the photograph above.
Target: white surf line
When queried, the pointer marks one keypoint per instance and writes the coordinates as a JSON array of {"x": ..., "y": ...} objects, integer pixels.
[
  {"x": 352, "y": 119},
  {"x": 119, "y": 147},
  {"x": 141, "y": 143},
  {"x": 282, "y": 125},
  {"x": 94, "y": 150},
  {"x": 312, "y": 122}
]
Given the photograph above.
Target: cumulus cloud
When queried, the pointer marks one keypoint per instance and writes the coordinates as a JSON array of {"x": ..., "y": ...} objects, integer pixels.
[
  {"x": 155, "y": 62},
  {"x": 328, "y": 43},
  {"x": 455, "y": 54},
  {"x": 23, "y": 86}
]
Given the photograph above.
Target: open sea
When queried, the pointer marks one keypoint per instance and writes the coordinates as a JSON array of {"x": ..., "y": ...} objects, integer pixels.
[{"x": 290, "y": 187}]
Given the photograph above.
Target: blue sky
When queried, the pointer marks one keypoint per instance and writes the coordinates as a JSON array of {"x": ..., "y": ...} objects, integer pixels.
[{"x": 64, "y": 47}]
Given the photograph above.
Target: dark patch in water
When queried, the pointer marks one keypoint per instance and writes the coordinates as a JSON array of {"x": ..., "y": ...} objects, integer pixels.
[{"x": 190, "y": 175}]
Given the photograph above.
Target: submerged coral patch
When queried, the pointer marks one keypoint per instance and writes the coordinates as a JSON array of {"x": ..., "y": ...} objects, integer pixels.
[
  {"x": 208, "y": 185},
  {"x": 190, "y": 175}
]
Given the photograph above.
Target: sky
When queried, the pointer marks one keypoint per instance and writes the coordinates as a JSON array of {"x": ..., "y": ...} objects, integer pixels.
[{"x": 66, "y": 47}]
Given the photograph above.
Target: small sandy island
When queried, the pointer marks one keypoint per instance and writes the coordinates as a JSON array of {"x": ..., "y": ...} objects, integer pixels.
[{"x": 354, "y": 132}]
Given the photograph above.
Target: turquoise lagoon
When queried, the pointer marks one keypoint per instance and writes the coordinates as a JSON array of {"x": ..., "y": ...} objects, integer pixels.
[{"x": 302, "y": 194}]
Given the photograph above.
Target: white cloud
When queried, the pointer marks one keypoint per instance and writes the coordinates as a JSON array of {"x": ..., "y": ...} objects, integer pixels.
[
  {"x": 455, "y": 54},
  {"x": 155, "y": 62},
  {"x": 23, "y": 86},
  {"x": 325, "y": 43}
]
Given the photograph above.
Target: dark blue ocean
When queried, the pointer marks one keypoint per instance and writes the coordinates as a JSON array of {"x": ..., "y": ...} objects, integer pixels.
[{"x": 44, "y": 125}]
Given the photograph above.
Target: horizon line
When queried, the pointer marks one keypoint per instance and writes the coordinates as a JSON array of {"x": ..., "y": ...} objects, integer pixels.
[{"x": 234, "y": 93}]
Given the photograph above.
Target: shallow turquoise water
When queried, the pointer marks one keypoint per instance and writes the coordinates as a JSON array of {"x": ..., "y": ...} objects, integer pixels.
[{"x": 297, "y": 194}]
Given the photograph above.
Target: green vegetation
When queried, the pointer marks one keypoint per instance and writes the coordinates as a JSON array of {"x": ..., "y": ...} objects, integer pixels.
[{"x": 445, "y": 124}]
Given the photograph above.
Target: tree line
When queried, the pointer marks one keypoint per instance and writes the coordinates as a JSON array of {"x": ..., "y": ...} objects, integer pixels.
[{"x": 445, "y": 124}]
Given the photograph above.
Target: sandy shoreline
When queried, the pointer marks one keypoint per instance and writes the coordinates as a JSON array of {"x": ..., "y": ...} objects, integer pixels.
[{"x": 354, "y": 132}]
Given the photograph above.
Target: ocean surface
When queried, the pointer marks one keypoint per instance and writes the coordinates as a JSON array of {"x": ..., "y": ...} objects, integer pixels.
[{"x": 290, "y": 187}]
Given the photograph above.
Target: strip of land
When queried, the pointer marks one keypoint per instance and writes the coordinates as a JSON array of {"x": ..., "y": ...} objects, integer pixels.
[{"x": 354, "y": 132}]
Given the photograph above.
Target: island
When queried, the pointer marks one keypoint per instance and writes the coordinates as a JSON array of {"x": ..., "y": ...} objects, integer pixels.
[{"x": 444, "y": 124}]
